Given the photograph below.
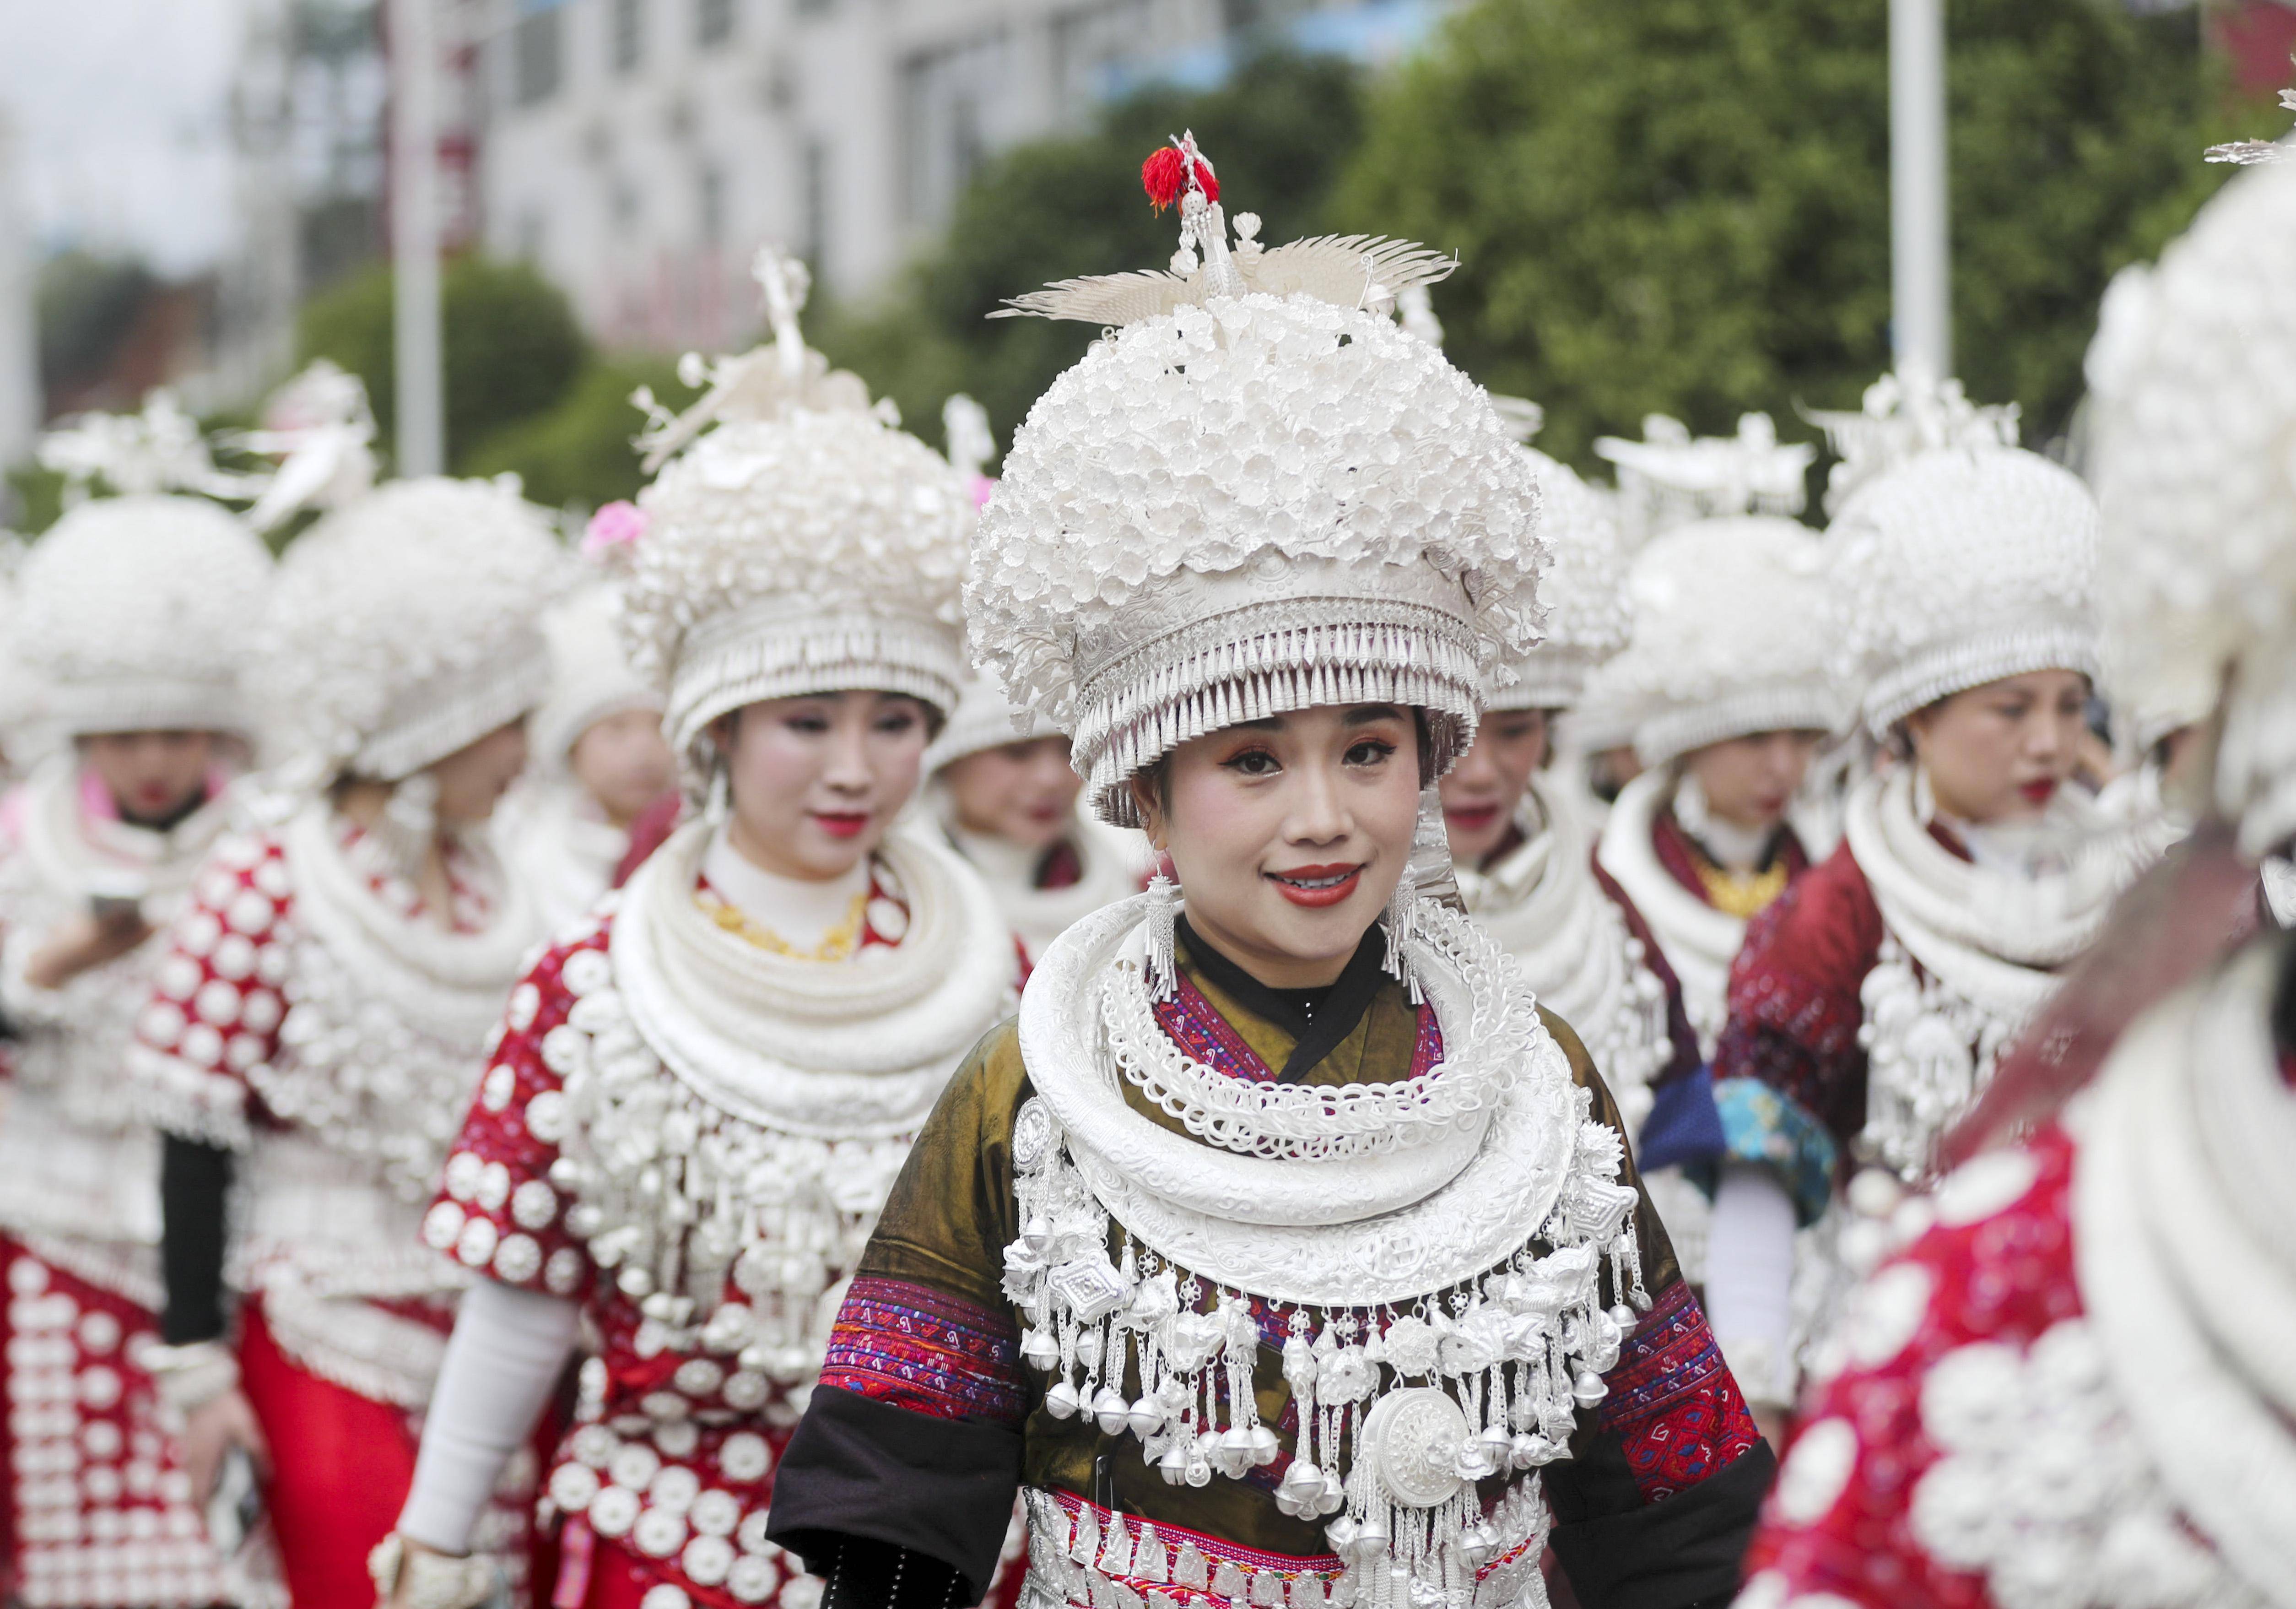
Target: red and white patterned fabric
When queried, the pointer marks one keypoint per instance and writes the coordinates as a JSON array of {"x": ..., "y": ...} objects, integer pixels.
[
  {"x": 94, "y": 1522},
  {"x": 311, "y": 1014},
  {"x": 100, "y": 1513},
  {"x": 671, "y": 1465},
  {"x": 1968, "y": 1451}
]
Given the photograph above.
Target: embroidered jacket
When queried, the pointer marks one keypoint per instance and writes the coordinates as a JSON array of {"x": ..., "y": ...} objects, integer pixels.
[{"x": 927, "y": 1420}]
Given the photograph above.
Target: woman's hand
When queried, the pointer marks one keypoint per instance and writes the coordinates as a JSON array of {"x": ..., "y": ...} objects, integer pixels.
[
  {"x": 85, "y": 942},
  {"x": 211, "y": 1431},
  {"x": 402, "y": 1592}
]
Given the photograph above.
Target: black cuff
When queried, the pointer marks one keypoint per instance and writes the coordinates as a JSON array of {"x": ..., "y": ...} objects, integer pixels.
[
  {"x": 1679, "y": 1553},
  {"x": 871, "y": 1575},
  {"x": 861, "y": 1469},
  {"x": 195, "y": 1184}
]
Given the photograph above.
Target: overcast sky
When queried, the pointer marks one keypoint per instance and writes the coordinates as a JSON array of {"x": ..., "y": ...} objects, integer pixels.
[{"x": 120, "y": 113}]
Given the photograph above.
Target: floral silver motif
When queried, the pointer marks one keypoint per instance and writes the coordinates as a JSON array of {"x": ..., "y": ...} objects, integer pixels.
[
  {"x": 2043, "y": 1488},
  {"x": 1500, "y": 1361}
]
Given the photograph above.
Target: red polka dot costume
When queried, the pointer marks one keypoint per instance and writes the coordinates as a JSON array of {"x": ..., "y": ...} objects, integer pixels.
[
  {"x": 294, "y": 1024},
  {"x": 1973, "y": 1445},
  {"x": 689, "y": 1397}
]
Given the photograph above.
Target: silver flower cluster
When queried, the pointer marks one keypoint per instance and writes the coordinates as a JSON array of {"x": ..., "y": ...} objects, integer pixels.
[
  {"x": 1963, "y": 565},
  {"x": 133, "y": 610},
  {"x": 1584, "y": 591},
  {"x": 1709, "y": 660},
  {"x": 407, "y": 596},
  {"x": 1214, "y": 438},
  {"x": 836, "y": 506}
]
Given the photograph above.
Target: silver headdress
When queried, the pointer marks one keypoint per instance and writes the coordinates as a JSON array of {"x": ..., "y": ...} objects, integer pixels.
[
  {"x": 131, "y": 613},
  {"x": 1583, "y": 594},
  {"x": 1961, "y": 558},
  {"x": 796, "y": 540},
  {"x": 1713, "y": 656},
  {"x": 2192, "y": 467},
  {"x": 1255, "y": 495},
  {"x": 403, "y": 625}
]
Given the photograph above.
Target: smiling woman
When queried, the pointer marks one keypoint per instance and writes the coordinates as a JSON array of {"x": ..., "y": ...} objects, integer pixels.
[
  {"x": 1294, "y": 831},
  {"x": 701, "y": 1094},
  {"x": 1284, "y": 1254}
]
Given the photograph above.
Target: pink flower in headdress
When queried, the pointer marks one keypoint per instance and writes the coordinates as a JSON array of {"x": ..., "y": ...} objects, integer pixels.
[
  {"x": 982, "y": 485},
  {"x": 615, "y": 526}
]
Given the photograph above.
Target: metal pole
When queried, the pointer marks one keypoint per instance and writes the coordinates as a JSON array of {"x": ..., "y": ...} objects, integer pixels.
[
  {"x": 414, "y": 237},
  {"x": 1921, "y": 286}
]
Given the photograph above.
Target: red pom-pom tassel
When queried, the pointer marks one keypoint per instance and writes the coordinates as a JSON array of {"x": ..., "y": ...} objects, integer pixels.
[{"x": 1164, "y": 177}]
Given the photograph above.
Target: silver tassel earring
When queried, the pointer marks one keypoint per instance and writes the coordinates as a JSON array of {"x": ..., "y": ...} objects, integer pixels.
[
  {"x": 1402, "y": 927},
  {"x": 410, "y": 822},
  {"x": 717, "y": 802},
  {"x": 1161, "y": 970}
]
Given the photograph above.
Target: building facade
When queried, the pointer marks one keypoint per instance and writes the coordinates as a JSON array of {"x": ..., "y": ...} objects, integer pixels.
[{"x": 638, "y": 151}]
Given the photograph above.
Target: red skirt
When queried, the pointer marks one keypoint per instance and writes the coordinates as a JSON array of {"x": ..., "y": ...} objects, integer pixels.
[{"x": 342, "y": 1465}]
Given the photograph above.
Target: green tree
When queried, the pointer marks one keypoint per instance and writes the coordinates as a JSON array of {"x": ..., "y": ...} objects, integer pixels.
[
  {"x": 1277, "y": 132},
  {"x": 578, "y": 454},
  {"x": 513, "y": 348},
  {"x": 1682, "y": 206}
]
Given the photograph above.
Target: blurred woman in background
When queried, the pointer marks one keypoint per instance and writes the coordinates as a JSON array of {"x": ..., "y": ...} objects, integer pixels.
[
  {"x": 323, "y": 1010},
  {"x": 2070, "y": 1386},
  {"x": 131, "y": 621},
  {"x": 1869, "y": 1007},
  {"x": 598, "y": 760},
  {"x": 1006, "y": 798}
]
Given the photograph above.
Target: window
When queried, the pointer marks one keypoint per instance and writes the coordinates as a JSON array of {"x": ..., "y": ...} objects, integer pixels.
[
  {"x": 628, "y": 35},
  {"x": 713, "y": 20},
  {"x": 957, "y": 106},
  {"x": 534, "y": 44},
  {"x": 712, "y": 204}
]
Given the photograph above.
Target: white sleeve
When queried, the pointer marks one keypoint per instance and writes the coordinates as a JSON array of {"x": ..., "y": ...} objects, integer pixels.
[
  {"x": 501, "y": 1366},
  {"x": 1750, "y": 1261}
]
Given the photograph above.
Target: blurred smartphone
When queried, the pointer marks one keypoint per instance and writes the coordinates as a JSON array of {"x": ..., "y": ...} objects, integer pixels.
[
  {"x": 236, "y": 1508},
  {"x": 117, "y": 897}
]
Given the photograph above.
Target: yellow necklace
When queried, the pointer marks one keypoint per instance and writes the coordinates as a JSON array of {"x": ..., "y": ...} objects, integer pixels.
[
  {"x": 838, "y": 944},
  {"x": 1741, "y": 894}
]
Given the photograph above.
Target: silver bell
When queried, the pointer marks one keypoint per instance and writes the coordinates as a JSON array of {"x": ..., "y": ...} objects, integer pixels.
[
  {"x": 1038, "y": 1350},
  {"x": 1234, "y": 1450},
  {"x": 1586, "y": 1389},
  {"x": 1264, "y": 1446},
  {"x": 1145, "y": 1417},
  {"x": 1110, "y": 1411},
  {"x": 1062, "y": 1401},
  {"x": 1173, "y": 1466}
]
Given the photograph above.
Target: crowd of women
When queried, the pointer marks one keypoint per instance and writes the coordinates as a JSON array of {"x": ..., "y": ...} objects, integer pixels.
[{"x": 1200, "y": 1026}]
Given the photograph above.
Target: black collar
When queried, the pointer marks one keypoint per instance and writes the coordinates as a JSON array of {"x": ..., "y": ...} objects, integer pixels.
[{"x": 1318, "y": 1019}]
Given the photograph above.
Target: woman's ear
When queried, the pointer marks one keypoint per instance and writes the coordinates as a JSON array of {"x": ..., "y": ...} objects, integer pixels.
[{"x": 1143, "y": 784}]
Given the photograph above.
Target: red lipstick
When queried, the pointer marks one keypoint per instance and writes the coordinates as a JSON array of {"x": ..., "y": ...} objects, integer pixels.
[
  {"x": 1317, "y": 886},
  {"x": 1472, "y": 818},
  {"x": 2037, "y": 793},
  {"x": 843, "y": 824}
]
